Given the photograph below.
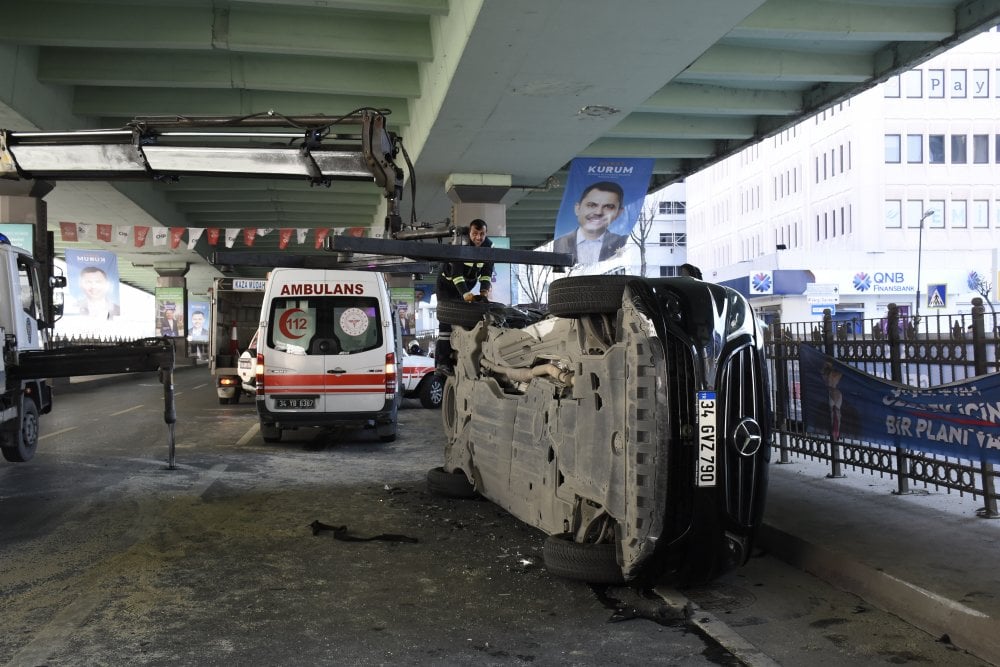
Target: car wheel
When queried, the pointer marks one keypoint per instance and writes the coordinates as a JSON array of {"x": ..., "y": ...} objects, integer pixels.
[
  {"x": 19, "y": 444},
  {"x": 461, "y": 313},
  {"x": 432, "y": 391},
  {"x": 236, "y": 398},
  {"x": 593, "y": 563},
  {"x": 587, "y": 295},
  {"x": 440, "y": 482},
  {"x": 223, "y": 401},
  {"x": 270, "y": 433}
]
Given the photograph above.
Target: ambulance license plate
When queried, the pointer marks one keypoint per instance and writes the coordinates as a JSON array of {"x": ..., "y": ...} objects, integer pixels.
[
  {"x": 295, "y": 403},
  {"x": 707, "y": 463}
]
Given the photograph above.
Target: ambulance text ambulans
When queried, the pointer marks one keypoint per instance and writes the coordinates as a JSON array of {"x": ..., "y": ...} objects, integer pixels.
[{"x": 328, "y": 350}]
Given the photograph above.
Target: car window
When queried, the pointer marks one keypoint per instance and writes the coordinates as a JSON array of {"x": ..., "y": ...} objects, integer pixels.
[{"x": 325, "y": 325}]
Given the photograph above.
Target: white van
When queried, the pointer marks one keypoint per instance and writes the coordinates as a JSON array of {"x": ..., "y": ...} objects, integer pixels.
[{"x": 328, "y": 350}]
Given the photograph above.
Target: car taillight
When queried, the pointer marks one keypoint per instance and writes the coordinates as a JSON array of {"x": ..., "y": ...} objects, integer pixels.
[
  {"x": 390, "y": 375},
  {"x": 260, "y": 374}
]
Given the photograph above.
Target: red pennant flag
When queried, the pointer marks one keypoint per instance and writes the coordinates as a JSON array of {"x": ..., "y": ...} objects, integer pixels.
[
  {"x": 104, "y": 233},
  {"x": 213, "y": 235},
  {"x": 68, "y": 231},
  {"x": 321, "y": 237},
  {"x": 249, "y": 235},
  {"x": 175, "y": 236},
  {"x": 284, "y": 236},
  {"x": 140, "y": 236}
]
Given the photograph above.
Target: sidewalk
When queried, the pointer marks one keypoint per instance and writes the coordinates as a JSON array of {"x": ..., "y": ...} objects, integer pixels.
[{"x": 926, "y": 557}]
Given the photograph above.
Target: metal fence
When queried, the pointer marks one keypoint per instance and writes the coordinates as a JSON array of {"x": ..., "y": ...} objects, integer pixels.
[{"x": 921, "y": 351}]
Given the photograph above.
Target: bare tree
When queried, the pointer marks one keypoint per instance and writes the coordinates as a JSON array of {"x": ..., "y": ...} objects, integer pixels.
[
  {"x": 533, "y": 281},
  {"x": 640, "y": 233},
  {"x": 980, "y": 284}
]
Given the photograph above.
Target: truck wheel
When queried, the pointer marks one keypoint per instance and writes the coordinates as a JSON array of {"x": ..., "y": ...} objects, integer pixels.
[
  {"x": 462, "y": 314},
  {"x": 440, "y": 482},
  {"x": 432, "y": 391},
  {"x": 20, "y": 445},
  {"x": 386, "y": 432},
  {"x": 270, "y": 432},
  {"x": 587, "y": 295},
  {"x": 593, "y": 563}
]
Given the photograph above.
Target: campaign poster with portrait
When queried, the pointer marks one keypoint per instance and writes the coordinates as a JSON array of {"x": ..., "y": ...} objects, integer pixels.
[
  {"x": 403, "y": 298},
  {"x": 198, "y": 321},
  {"x": 602, "y": 200},
  {"x": 92, "y": 280},
  {"x": 170, "y": 311}
]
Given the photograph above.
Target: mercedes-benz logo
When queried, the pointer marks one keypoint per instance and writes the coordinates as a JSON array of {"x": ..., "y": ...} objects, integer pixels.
[{"x": 748, "y": 437}]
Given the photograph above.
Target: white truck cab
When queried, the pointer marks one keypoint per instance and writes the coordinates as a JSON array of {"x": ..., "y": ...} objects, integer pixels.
[{"x": 328, "y": 352}]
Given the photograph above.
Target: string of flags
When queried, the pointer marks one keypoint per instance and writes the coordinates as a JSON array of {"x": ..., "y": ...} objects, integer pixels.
[{"x": 137, "y": 236}]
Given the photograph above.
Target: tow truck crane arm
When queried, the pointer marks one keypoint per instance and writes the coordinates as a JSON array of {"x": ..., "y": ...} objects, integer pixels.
[{"x": 318, "y": 148}]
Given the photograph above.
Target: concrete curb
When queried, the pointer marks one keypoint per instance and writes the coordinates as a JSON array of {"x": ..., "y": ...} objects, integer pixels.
[{"x": 969, "y": 629}]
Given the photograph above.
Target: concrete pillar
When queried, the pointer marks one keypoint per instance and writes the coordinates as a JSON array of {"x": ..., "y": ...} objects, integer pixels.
[
  {"x": 171, "y": 288},
  {"x": 479, "y": 196}
]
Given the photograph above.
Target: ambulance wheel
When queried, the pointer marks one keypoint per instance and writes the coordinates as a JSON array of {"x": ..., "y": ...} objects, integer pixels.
[
  {"x": 270, "y": 433},
  {"x": 19, "y": 444},
  {"x": 432, "y": 391},
  {"x": 386, "y": 432}
]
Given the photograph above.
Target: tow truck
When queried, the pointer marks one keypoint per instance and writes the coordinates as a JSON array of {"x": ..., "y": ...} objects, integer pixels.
[{"x": 630, "y": 423}]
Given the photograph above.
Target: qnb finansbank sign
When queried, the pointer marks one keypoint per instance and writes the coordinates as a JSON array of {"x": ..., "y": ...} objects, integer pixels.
[{"x": 869, "y": 282}]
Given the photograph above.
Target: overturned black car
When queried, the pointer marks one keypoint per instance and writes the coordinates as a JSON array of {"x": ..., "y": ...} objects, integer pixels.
[{"x": 631, "y": 424}]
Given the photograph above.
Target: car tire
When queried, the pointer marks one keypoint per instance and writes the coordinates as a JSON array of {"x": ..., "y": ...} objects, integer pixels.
[
  {"x": 462, "y": 314},
  {"x": 223, "y": 401},
  {"x": 440, "y": 482},
  {"x": 432, "y": 391},
  {"x": 236, "y": 398},
  {"x": 20, "y": 443},
  {"x": 592, "y": 563},
  {"x": 587, "y": 295},
  {"x": 270, "y": 433}
]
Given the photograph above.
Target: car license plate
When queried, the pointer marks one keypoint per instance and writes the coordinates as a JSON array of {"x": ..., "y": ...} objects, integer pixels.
[
  {"x": 707, "y": 463},
  {"x": 295, "y": 403}
]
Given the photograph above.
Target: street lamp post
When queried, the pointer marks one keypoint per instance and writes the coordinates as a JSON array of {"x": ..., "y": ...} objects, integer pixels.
[{"x": 920, "y": 256}]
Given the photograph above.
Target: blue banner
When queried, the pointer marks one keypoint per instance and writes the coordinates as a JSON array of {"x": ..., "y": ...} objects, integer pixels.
[
  {"x": 960, "y": 419},
  {"x": 601, "y": 203}
]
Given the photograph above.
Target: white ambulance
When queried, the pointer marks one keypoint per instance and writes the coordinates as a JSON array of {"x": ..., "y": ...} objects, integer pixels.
[{"x": 328, "y": 350}]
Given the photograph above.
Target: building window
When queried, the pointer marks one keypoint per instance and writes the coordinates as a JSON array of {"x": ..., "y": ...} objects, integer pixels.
[
  {"x": 996, "y": 148},
  {"x": 958, "y": 211},
  {"x": 914, "y": 212},
  {"x": 980, "y": 83},
  {"x": 981, "y": 148},
  {"x": 980, "y": 214},
  {"x": 958, "y": 83},
  {"x": 935, "y": 83},
  {"x": 937, "y": 217},
  {"x": 668, "y": 271},
  {"x": 891, "y": 149},
  {"x": 672, "y": 207},
  {"x": 935, "y": 149},
  {"x": 958, "y": 149},
  {"x": 914, "y": 148},
  {"x": 891, "y": 87},
  {"x": 913, "y": 85},
  {"x": 893, "y": 217}
]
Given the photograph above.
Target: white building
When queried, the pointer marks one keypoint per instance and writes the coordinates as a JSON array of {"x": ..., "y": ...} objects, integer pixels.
[{"x": 846, "y": 200}]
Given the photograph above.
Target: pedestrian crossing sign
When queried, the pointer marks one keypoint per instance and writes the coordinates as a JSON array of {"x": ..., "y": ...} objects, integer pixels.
[{"x": 937, "y": 296}]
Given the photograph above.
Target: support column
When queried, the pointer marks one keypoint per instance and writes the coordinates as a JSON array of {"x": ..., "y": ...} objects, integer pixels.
[
  {"x": 481, "y": 196},
  {"x": 171, "y": 305}
]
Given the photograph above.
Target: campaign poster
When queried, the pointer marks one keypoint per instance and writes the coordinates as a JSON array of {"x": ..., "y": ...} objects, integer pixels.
[
  {"x": 960, "y": 419},
  {"x": 198, "y": 321},
  {"x": 601, "y": 203},
  {"x": 92, "y": 280},
  {"x": 170, "y": 311},
  {"x": 403, "y": 299}
]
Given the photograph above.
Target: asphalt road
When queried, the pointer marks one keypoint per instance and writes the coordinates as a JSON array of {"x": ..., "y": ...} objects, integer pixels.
[{"x": 108, "y": 557}]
